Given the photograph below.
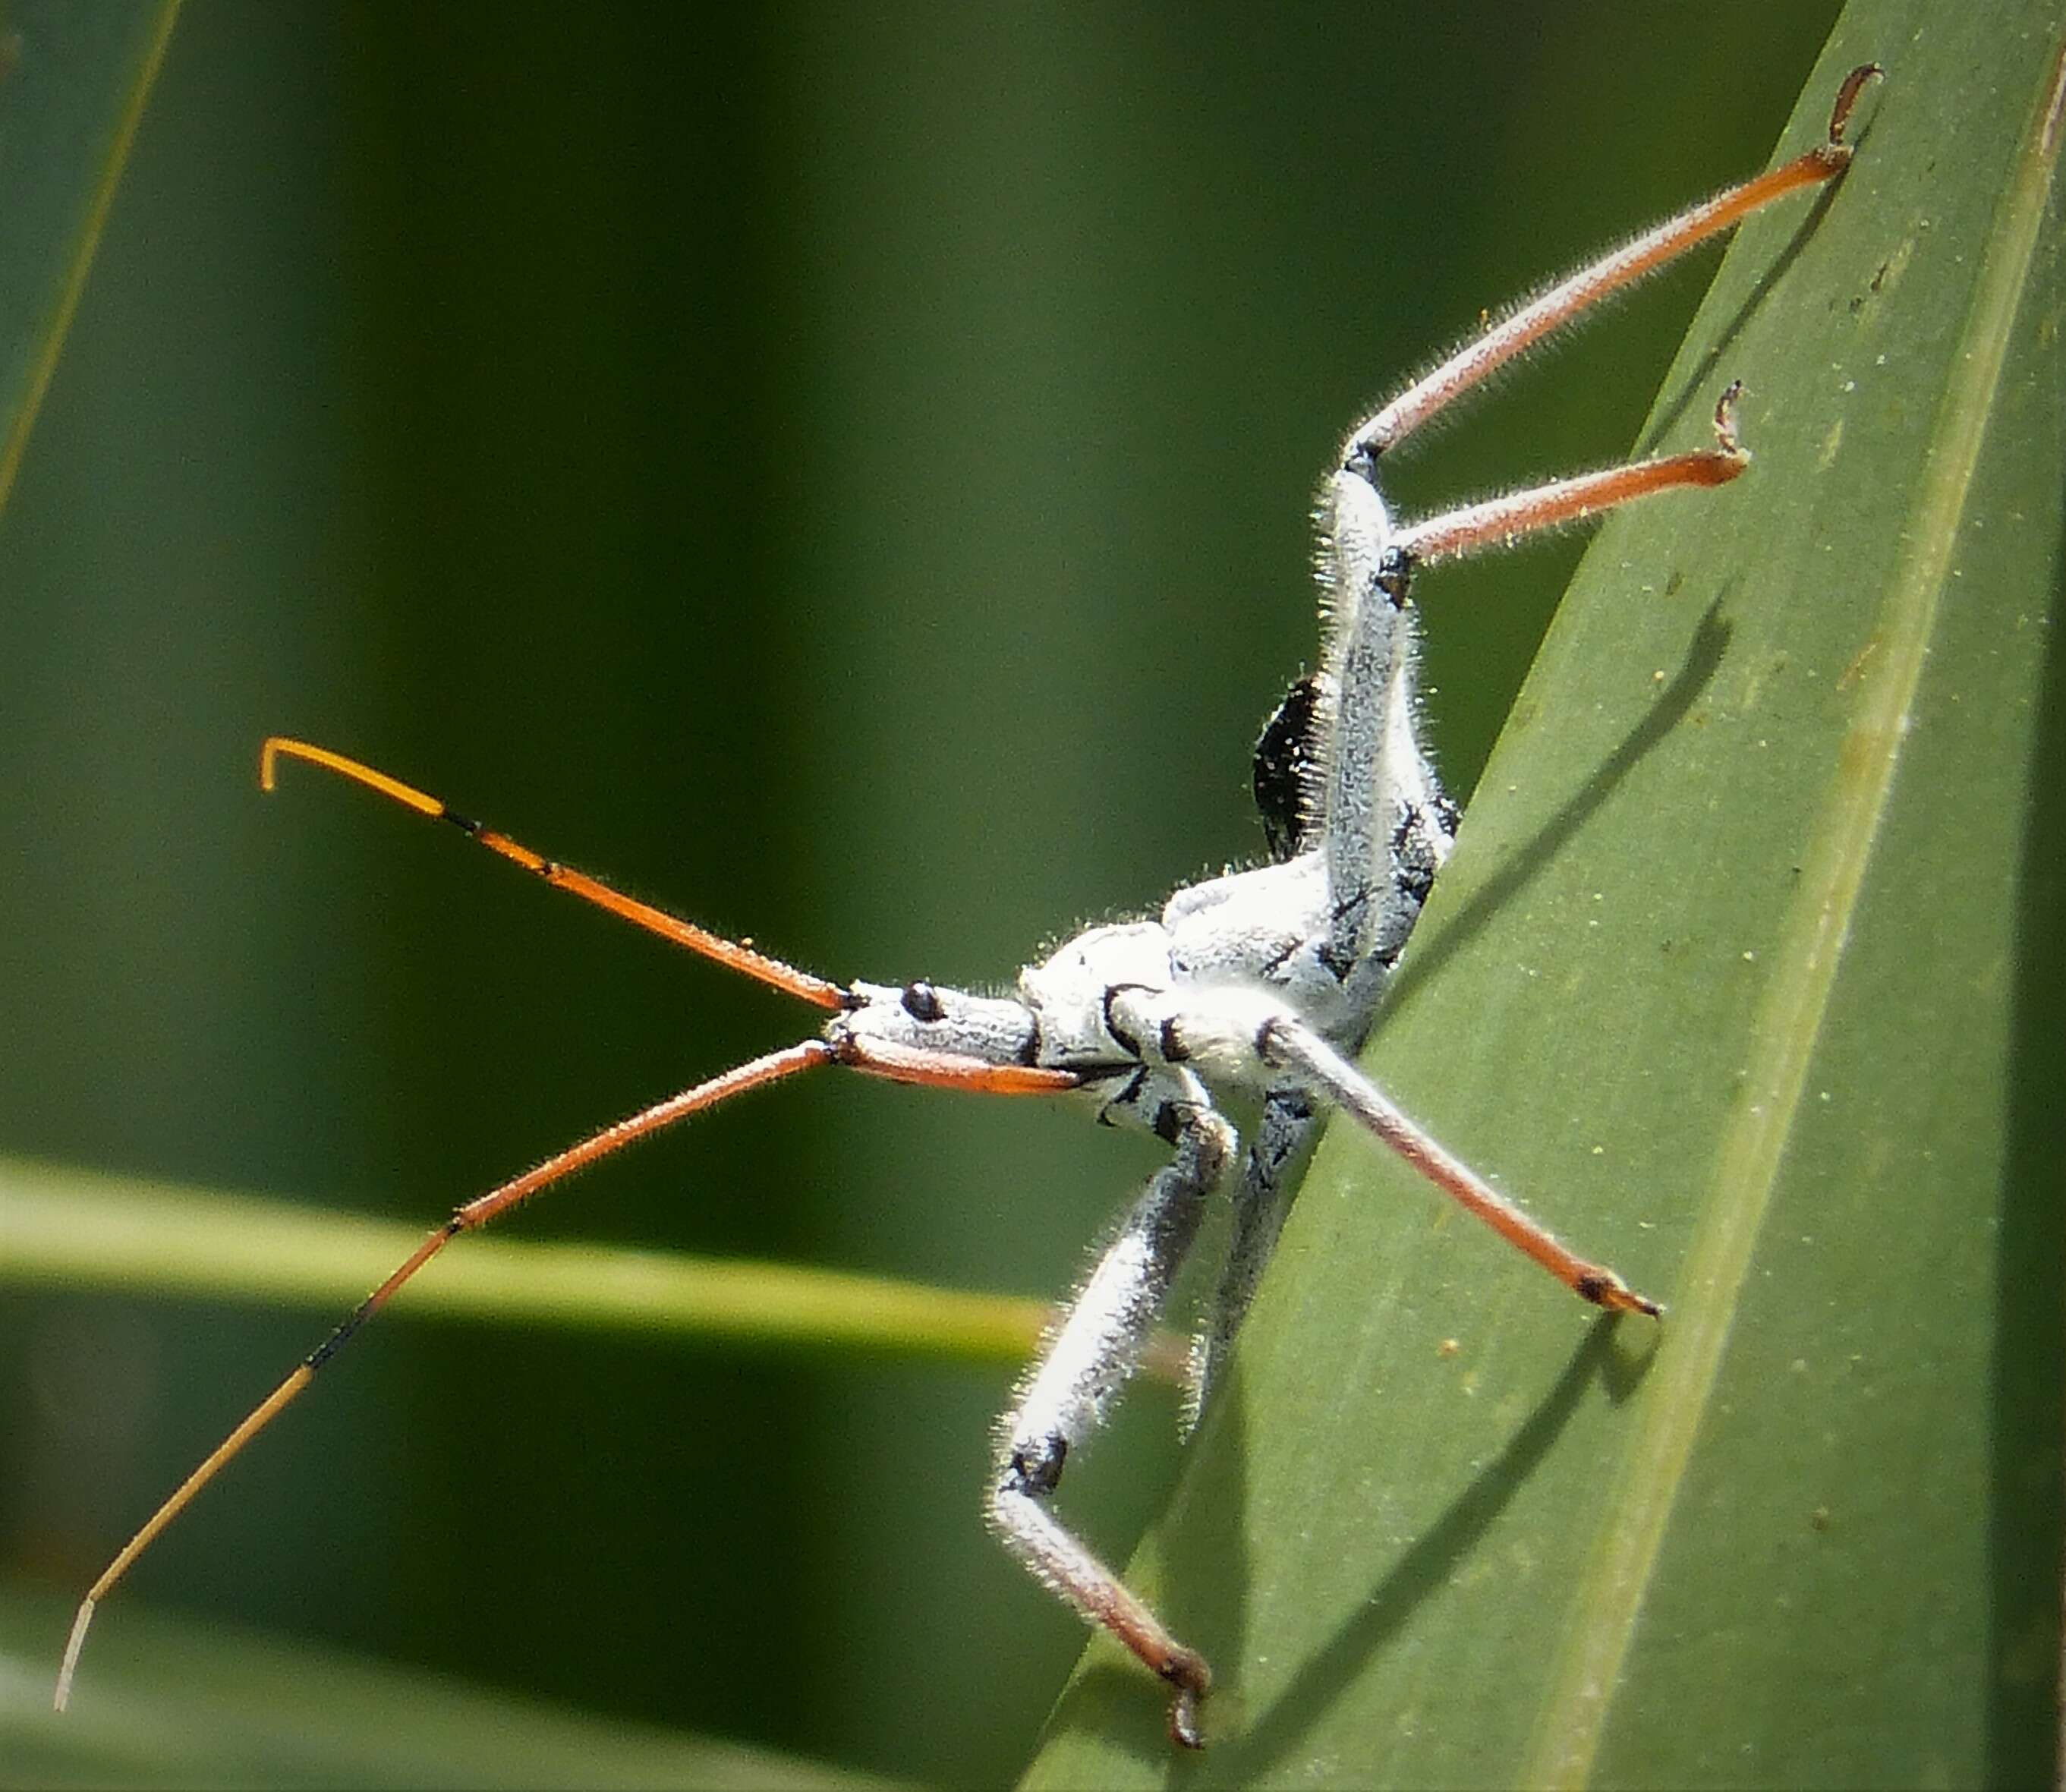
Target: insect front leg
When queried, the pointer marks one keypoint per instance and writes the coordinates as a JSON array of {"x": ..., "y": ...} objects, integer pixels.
[
  {"x": 1086, "y": 1362},
  {"x": 1374, "y": 806}
]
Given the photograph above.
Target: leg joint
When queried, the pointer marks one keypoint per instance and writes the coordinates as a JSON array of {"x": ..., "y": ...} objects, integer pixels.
[
  {"x": 1395, "y": 575},
  {"x": 1033, "y": 1468},
  {"x": 1266, "y": 1037}
]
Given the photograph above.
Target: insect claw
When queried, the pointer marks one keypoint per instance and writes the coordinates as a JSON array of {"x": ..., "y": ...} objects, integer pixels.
[
  {"x": 1605, "y": 1289},
  {"x": 1725, "y": 422},
  {"x": 1847, "y": 96},
  {"x": 1184, "y": 1728},
  {"x": 1186, "y": 1670}
]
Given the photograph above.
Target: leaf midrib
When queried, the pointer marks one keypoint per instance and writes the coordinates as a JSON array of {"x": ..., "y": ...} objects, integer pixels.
[{"x": 1608, "y": 1596}]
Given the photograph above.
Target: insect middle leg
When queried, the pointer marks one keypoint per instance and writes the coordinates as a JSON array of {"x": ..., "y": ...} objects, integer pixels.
[
  {"x": 1086, "y": 1362},
  {"x": 1286, "y": 1044},
  {"x": 1278, "y": 1150},
  {"x": 1229, "y": 1028}
]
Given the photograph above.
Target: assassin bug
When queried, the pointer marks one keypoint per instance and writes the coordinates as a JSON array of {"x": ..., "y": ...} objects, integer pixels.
[{"x": 1262, "y": 983}]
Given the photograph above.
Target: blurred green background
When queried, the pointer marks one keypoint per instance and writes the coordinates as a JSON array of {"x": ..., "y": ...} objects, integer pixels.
[{"x": 843, "y": 472}]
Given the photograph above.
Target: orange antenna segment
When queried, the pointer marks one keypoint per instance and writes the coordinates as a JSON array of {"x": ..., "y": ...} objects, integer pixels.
[
  {"x": 817, "y": 990},
  {"x": 475, "y": 1213},
  {"x": 1564, "y": 301}
]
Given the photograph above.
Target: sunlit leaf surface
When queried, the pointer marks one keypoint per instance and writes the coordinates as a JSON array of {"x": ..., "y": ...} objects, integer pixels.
[{"x": 1745, "y": 976}]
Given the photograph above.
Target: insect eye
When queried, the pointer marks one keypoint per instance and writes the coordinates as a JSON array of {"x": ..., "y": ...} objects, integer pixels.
[{"x": 921, "y": 1002}]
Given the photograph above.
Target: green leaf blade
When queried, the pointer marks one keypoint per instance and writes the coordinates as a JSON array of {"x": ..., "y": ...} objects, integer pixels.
[
  {"x": 73, "y": 78},
  {"x": 80, "y": 1230},
  {"x": 1728, "y": 979},
  {"x": 1891, "y": 995}
]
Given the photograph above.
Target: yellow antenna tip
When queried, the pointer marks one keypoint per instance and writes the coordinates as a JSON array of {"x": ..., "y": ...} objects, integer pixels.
[{"x": 73, "y": 1644}]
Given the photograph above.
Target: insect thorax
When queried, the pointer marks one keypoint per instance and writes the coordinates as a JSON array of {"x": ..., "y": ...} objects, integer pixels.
[{"x": 1263, "y": 930}]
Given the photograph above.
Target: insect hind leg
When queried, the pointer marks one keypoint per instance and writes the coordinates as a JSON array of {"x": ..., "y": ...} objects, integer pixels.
[{"x": 1085, "y": 1364}]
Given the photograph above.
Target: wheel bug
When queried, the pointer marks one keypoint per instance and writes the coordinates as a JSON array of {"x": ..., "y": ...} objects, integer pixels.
[{"x": 1262, "y": 983}]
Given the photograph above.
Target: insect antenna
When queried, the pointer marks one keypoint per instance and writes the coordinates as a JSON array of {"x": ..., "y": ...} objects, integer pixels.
[
  {"x": 732, "y": 954},
  {"x": 478, "y": 1213}
]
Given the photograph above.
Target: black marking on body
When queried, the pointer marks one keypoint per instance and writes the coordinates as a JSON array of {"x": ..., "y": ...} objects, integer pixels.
[
  {"x": 1360, "y": 462},
  {"x": 1413, "y": 861},
  {"x": 1293, "y": 1104},
  {"x": 1266, "y": 1040},
  {"x": 1288, "y": 1107},
  {"x": 1029, "y": 1048},
  {"x": 1126, "y": 1097},
  {"x": 921, "y": 1002},
  {"x": 1127, "y": 1042},
  {"x": 1170, "y": 1040},
  {"x": 465, "y": 824},
  {"x": 1344, "y": 916},
  {"x": 1395, "y": 575},
  {"x": 1283, "y": 956},
  {"x": 1036, "y": 1465},
  {"x": 1352, "y": 904},
  {"x": 1287, "y": 757}
]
